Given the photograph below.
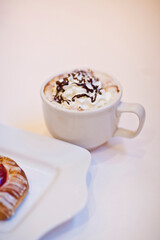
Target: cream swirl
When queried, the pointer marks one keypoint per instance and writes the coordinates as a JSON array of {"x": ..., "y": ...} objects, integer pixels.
[{"x": 80, "y": 90}]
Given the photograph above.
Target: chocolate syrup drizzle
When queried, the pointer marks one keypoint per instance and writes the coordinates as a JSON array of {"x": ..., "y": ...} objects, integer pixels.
[
  {"x": 58, "y": 97},
  {"x": 79, "y": 82}
]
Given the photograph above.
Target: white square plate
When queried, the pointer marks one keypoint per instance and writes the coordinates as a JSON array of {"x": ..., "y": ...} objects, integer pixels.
[{"x": 56, "y": 172}]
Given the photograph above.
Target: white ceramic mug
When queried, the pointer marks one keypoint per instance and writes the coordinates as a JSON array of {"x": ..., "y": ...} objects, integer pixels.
[{"x": 90, "y": 129}]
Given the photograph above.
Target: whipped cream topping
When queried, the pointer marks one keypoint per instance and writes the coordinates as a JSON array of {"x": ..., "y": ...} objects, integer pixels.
[{"x": 81, "y": 90}]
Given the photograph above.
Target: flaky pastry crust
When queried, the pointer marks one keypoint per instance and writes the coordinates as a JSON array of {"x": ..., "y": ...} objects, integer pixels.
[{"x": 13, "y": 187}]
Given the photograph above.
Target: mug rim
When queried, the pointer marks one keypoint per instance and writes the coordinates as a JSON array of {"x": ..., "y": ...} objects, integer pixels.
[{"x": 73, "y": 111}]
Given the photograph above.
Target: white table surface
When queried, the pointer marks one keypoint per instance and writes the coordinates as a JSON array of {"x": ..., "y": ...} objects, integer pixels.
[{"x": 39, "y": 38}]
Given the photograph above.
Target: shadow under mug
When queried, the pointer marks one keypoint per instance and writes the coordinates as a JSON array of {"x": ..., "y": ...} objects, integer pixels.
[{"x": 90, "y": 129}]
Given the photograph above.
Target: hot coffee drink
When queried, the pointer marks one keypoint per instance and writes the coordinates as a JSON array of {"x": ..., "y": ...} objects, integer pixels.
[
  {"x": 84, "y": 107},
  {"x": 82, "y": 90}
]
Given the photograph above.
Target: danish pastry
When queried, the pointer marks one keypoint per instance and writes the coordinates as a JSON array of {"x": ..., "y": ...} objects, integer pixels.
[{"x": 13, "y": 187}]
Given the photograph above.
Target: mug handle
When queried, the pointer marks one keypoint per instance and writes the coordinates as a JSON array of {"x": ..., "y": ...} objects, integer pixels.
[{"x": 132, "y": 108}]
